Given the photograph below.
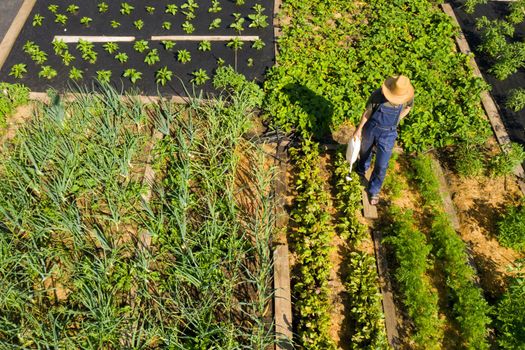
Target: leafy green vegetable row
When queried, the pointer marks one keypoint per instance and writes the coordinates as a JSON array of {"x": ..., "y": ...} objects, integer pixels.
[
  {"x": 11, "y": 96},
  {"x": 366, "y": 314},
  {"x": 332, "y": 55},
  {"x": 469, "y": 307},
  {"x": 312, "y": 233},
  {"x": 412, "y": 256}
]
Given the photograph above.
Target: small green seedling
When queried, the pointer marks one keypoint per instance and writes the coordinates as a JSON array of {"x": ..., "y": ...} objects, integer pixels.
[
  {"x": 141, "y": 46},
  {"x": 110, "y": 47},
  {"x": 67, "y": 58},
  {"x": 183, "y": 56},
  {"x": 152, "y": 57},
  {"x": 47, "y": 72},
  {"x": 168, "y": 44},
  {"x": 258, "y": 44},
  {"x": 188, "y": 27},
  {"x": 139, "y": 24},
  {"x": 163, "y": 75},
  {"x": 166, "y": 25},
  {"x": 258, "y": 19},
  {"x": 215, "y": 6},
  {"x": 53, "y": 8},
  {"x": 126, "y": 8},
  {"x": 172, "y": 9},
  {"x": 205, "y": 45},
  {"x": 104, "y": 76},
  {"x": 216, "y": 23},
  {"x": 18, "y": 70},
  {"x": 114, "y": 24},
  {"x": 61, "y": 19},
  {"x": 150, "y": 9},
  {"x": 200, "y": 77},
  {"x": 73, "y": 9},
  {"x": 132, "y": 74},
  {"x": 75, "y": 74},
  {"x": 103, "y": 7},
  {"x": 86, "y": 21},
  {"x": 38, "y": 19},
  {"x": 122, "y": 57}
]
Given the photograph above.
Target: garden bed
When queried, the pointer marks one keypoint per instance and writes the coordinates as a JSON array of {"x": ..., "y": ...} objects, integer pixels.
[
  {"x": 250, "y": 61},
  {"x": 495, "y": 10}
]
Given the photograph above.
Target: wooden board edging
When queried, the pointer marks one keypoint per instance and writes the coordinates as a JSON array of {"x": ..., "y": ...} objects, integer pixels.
[
  {"x": 489, "y": 105},
  {"x": 389, "y": 308},
  {"x": 281, "y": 277},
  {"x": 14, "y": 30}
]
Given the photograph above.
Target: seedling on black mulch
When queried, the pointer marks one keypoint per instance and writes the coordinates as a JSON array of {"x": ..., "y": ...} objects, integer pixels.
[
  {"x": 152, "y": 57},
  {"x": 205, "y": 45},
  {"x": 258, "y": 44},
  {"x": 183, "y": 56},
  {"x": 139, "y": 24},
  {"x": 258, "y": 19},
  {"x": 76, "y": 74},
  {"x": 86, "y": 21},
  {"x": 163, "y": 75},
  {"x": 61, "y": 19},
  {"x": 215, "y": 6},
  {"x": 126, "y": 8},
  {"x": 168, "y": 44},
  {"x": 141, "y": 46},
  {"x": 47, "y": 72},
  {"x": 38, "y": 19},
  {"x": 103, "y": 7},
  {"x": 238, "y": 23},
  {"x": 172, "y": 9},
  {"x": 73, "y": 9},
  {"x": 166, "y": 25},
  {"x": 18, "y": 70},
  {"x": 53, "y": 8},
  {"x": 104, "y": 76},
  {"x": 133, "y": 75},
  {"x": 122, "y": 57},
  {"x": 67, "y": 58},
  {"x": 150, "y": 9},
  {"x": 110, "y": 47},
  {"x": 200, "y": 77},
  {"x": 114, "y": 24},
  {"x": 216, "y": 23},
  {"x": 188, "y": 27}
]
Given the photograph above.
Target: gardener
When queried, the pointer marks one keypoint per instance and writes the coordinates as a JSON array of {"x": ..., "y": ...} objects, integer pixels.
[{"x": 386, "y": 107}]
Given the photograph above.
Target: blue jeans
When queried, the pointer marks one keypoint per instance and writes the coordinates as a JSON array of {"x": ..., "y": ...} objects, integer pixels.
[{"x": 384, "y": 141}]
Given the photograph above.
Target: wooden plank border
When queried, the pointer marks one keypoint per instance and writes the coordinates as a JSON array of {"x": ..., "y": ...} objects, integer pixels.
[
  {"x": 281, "y": 278},
  {"x": 14, "y": 30},
  {"x": 389, "y": 307},
  {"x": 204, "y": 37},
  {"x": 490, "y": 106},
  {"x": 69, "y": 39},
  {"x": 43, "y": 97}
]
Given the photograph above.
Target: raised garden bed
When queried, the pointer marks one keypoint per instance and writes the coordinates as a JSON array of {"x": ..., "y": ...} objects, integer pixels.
[
  {"x": 248, "y": 60},
  {"x": 495, "y": 10}
]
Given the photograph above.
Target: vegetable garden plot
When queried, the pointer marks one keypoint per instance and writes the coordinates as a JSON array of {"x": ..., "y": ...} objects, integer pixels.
[
  {"x": 74, "y": 274},
  {"x": 242, "y": 31},
  {"x": 495, "y": 10}
]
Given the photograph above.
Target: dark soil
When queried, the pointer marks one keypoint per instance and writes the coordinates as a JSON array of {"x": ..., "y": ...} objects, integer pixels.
[
  {"x": 43, "y": 36},
  {"x": 514, "y": 122}
]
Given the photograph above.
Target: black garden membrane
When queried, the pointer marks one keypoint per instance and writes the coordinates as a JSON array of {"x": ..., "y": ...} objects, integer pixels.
[
  {"x": 514, "y": 122},
  {"x": 247, "y": 60}
]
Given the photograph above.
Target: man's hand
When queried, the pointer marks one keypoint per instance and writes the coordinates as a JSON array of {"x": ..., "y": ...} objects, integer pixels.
[{"x": 357, "y": 134}]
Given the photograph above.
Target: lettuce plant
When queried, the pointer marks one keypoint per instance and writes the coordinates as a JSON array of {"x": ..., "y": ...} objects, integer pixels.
[
  {"x": 38, "y": 19},
  {"x": 18, "y": 70}
]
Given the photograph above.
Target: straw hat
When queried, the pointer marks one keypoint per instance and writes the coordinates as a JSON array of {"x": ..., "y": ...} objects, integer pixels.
[{"x": 397, "y": 89}]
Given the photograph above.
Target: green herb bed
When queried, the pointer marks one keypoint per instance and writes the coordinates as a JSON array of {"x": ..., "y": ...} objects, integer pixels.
[
  {"x": 74, "y": 269},
  {"x": 332, "y": 55},
  {"x": 168, "y": 68}
]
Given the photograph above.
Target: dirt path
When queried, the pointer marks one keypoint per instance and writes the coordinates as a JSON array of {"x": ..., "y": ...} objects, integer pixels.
[
  {"x": 17, "y": 119},
  {"x": 479, "y": 203}
]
